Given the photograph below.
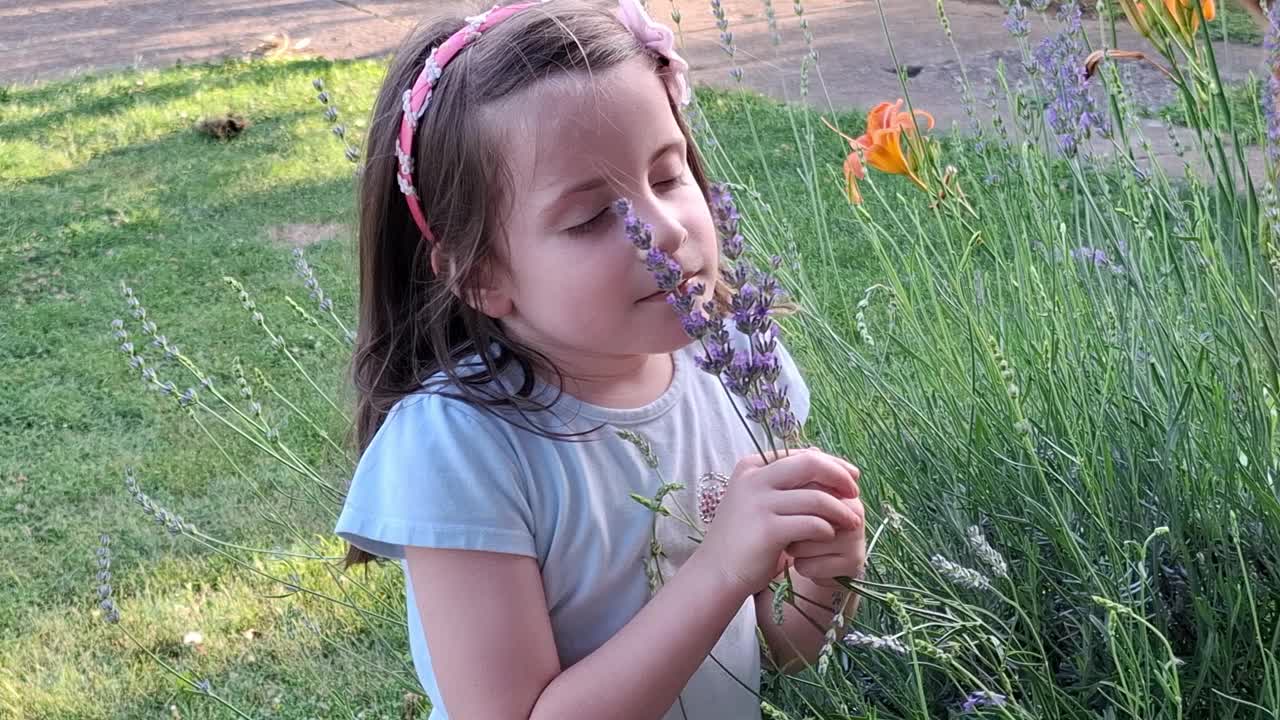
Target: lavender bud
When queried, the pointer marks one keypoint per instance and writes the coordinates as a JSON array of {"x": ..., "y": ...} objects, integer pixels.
[
  {"x": 987, "y": 554},
  {"x": 876, "y": 642},
  {"x": 981, "y": 698},
  {"x": 962, "y": 576}
]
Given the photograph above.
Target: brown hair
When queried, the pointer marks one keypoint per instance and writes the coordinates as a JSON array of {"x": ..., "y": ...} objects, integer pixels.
[{"x": 413, "y": 323}]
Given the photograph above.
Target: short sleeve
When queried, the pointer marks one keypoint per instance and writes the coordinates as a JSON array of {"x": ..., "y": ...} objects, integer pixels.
[{"x": 437, "y": 474}]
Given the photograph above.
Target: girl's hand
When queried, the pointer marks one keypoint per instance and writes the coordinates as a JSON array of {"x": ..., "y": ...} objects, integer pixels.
[
  {"x": 800, "y": 498},
  {"x": 845, "y": 555}
]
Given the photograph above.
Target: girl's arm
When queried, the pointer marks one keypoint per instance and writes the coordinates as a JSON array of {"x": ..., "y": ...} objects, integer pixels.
[
  {"x": 794, "y": 644},
  {"x": 486, "y": 619},
  {"x": 487, "y": 626}
]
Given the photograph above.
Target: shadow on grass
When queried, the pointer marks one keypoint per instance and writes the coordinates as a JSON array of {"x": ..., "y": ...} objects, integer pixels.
[{"x": 100, "y": 96}]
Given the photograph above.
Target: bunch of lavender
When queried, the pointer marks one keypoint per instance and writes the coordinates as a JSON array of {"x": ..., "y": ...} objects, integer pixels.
[
  {"x": 1071, "y": 113},
  {"x": 751, "y": 373}
]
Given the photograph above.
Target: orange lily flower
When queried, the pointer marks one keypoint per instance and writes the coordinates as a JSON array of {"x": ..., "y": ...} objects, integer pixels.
[
  {"x": 1180, "y": 14},
  {"x": 881, "y": 146}
]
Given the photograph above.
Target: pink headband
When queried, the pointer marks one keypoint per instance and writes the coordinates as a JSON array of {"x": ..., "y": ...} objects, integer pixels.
[{"x": 658, "y": 38}]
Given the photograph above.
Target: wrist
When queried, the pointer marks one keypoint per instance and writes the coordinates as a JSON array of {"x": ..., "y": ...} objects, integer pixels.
[{"x": 714, "y": 579}]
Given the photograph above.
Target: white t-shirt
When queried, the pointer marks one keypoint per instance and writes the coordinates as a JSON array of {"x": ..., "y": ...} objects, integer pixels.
[{"x": 440, "y": 473}]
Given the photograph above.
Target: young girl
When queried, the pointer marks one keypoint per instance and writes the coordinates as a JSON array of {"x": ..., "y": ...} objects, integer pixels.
[{"x": 509, "y": 333}]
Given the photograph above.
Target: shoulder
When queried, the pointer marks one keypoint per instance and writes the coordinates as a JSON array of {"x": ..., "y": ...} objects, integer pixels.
[
  {"x": 438, "y": 473},
  {"x": 429, "y": 417}
]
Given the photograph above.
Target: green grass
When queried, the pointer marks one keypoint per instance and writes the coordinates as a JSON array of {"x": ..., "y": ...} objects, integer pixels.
[
  {"x": 104, "y": 181},
  {"x": 1236, "y": 25},
  {"x": 1245, "y": 102}
]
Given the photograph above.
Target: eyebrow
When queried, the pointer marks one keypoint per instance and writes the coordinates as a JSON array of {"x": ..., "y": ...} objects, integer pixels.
[{"x": 599, "y": 181}]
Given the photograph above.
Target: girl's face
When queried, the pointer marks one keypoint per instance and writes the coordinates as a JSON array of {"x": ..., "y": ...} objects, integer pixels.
[{"x": 571, "y": 284}]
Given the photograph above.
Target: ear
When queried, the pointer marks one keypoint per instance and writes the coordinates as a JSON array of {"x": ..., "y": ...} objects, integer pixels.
[{"x": 493, "y": 298}]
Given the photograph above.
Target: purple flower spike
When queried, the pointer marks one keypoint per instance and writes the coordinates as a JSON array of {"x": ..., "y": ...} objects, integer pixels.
[
  {"x": 725, "y": 214},
  {"x": 1072, "y": 115},
  {"x": 1097, "y": 255},
  {"x": 1015, "y": 22},
  {"x": 665, "y": 269},
  {"x": 750, "y": 309},
  {"x": 740, "y": 375},
  {"x": 1271, "y": 45},
  {"x": 719, "y": 354},
  {"x": 640, "y": 234},
  {"x": 982, "y": 698}
]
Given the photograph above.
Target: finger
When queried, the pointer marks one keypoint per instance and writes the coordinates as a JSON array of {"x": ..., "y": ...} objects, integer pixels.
[
  {"x": 755, "y": 460},
  {"x": 805, "y": 528},
  {"x": 800, "y": 469},
  {"x": 842, "y": 541},
  {"x": 825, "y": 567},
  {"x": 854, "y": 472},
  {"x": 816, "y": 502}
]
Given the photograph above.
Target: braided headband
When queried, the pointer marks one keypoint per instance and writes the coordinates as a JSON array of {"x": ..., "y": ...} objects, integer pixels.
[{"x": 657, "y": 38}]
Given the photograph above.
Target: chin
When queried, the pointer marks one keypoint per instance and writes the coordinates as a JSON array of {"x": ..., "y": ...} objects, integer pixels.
[{"x": 672, "y": 338}]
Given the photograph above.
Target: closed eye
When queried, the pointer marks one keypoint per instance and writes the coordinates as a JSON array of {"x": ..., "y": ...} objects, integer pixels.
[{"x": 597, "y": 221}]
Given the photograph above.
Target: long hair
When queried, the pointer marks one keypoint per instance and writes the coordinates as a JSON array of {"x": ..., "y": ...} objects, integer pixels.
[{"x": 415, "y": 324}]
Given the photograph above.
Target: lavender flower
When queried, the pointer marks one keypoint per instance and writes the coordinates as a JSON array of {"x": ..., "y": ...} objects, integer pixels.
[
  {"x": 170, "y": 521},
  {"x": 1098, "y": 257},
  {"x": 726, "y": 218},
  {"x": 875, "y": 642},
  {"x": 665, "y": 269},
  {"x": 309, "y": 281},
  {"x": 718, "y": 351},
  {"x": 1072, "y": 115},
  {"x": 1271, "y": 45},
  {"x": 982, "y": 698},
  {"x": 962, "y": 576},
  {"x": 989, "y": 555},
  {"x": 103, "y": 552},
  {"x": 1015, "y": 22}
]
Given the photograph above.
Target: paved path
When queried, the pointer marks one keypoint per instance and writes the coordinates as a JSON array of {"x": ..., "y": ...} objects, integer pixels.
[{"x": 55, "y": 38}]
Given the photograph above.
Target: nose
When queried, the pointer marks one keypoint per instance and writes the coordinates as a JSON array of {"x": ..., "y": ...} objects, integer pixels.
[{"x": 669, "y": 233}]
